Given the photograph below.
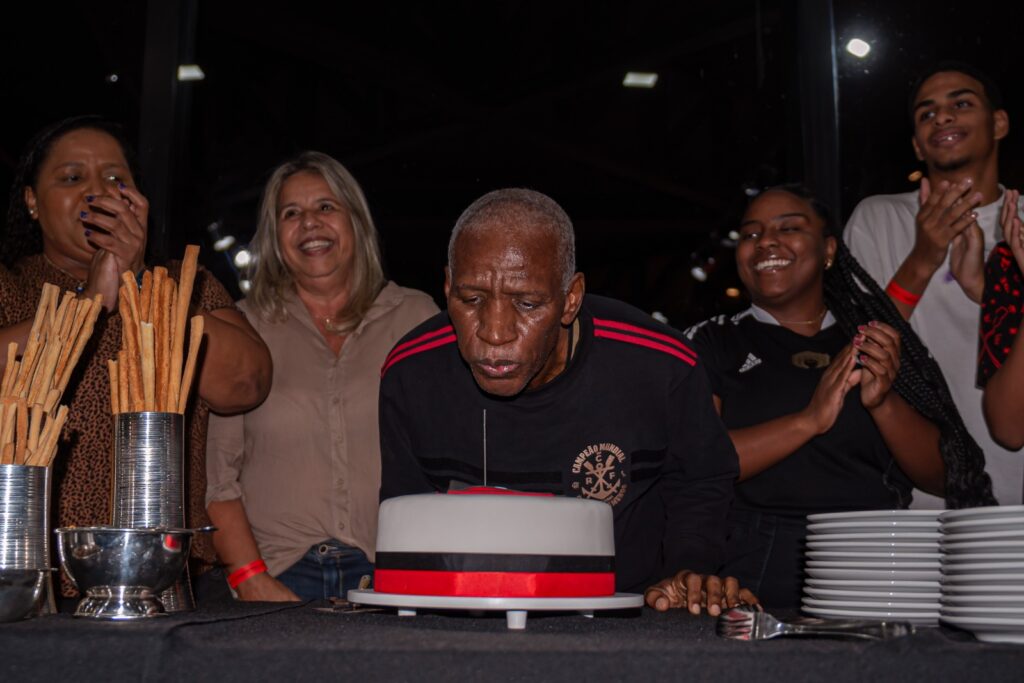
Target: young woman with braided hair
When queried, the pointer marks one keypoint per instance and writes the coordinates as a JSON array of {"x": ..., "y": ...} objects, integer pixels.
[{"x": 831, "y": 401}]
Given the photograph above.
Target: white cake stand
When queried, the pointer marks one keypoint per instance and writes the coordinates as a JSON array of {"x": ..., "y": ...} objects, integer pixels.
[{"x": 515, "y": 609}]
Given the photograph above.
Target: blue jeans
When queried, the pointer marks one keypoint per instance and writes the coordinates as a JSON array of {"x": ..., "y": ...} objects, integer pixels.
[{"x": 329, "y": 570}]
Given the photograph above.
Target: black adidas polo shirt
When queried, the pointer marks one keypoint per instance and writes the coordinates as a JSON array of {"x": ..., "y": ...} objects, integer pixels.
[
  {"x": 629, "y": 422},
  {"x": 762, "y": 371}
]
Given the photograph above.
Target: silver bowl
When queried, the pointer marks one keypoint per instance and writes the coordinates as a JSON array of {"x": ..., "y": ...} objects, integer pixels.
[
  {"x": 21, "y": 592},
  {"x": 122, "y": 571}
]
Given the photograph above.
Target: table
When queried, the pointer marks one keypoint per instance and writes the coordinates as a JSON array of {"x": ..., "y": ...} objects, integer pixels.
[{"x": 263, "y": 641}]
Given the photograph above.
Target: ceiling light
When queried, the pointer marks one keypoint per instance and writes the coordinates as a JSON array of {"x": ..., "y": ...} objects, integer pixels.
[
  {"x": 112, "y": 78},
  {"x": 660, "y": 317},
  {"x": 224, "y": 243},
  {"x": 190, "y": 72},
  {"x": 858, "y": 48},
  {"x": 243, "y": 258},
  {"x": 699, "y": 273},
  {"x": 732, "y": 292},
  {"x": 915, "y": 176},
  {"x": 245, "y": 286},
  {"x": 734, "y": 235},
  {"x": 640, "y": 79}
]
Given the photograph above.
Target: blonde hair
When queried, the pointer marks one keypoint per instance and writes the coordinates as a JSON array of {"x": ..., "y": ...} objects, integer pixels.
[{"x": 271, "y": 278}]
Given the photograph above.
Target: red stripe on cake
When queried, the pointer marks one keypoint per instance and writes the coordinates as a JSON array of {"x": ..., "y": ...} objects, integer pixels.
[
  {"x": 648, "y": 343},
  {"x": 413, "y": 342},
  {"x": 616, "y": 325},
  {"x": 494, "y": 584},
  {"x": 419, "y": 349}
]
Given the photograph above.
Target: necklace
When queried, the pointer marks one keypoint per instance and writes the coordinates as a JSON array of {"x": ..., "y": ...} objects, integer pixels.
[
  {"x": 805, "y": 322},
  {"x": 79, "y": 284}
]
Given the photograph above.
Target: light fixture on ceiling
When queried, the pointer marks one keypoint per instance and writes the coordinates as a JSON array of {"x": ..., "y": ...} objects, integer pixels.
[
  {"x": 224, "y": 243},
  {"x": 640, "y": 79},
  {"x": 112, "y": 78},
  {"x": 245, "y": 285},
  {"x": 190, "y": 72},
  {"x": 858, "y": 48},
  {"x": 732, "y": 292}
]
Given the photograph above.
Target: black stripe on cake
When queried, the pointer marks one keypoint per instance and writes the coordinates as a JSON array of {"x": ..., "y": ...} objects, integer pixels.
[{"x": 487, "y": 562}]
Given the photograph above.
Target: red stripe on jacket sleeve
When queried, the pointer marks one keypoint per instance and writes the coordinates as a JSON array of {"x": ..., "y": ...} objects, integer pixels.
[
  {"x": 642, "y": 341},
  {"x": 419, "y": 349},
  {"x": 616, "y": 325},
  {"x": 413, "y": 342}
]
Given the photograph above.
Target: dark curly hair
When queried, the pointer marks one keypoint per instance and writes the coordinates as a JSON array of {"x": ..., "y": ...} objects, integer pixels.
[
  {"x": 854, "y": 298},
  {"x": 21, "y": 235}
]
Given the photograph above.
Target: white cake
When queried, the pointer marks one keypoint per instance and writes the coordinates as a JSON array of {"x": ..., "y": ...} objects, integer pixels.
[{"x": 495, "y": 544}]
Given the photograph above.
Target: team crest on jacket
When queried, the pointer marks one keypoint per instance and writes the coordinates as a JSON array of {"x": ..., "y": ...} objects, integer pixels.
[{"x": 599, "y": 473}]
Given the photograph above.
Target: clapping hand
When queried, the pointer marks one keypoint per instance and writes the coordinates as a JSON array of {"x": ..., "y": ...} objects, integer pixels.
[
  {"x": 117, "y": 226},
  {"x": 830, "y": 393},
  {"x": 878, "y": 346},
  {"x": 946, "y": 218}
]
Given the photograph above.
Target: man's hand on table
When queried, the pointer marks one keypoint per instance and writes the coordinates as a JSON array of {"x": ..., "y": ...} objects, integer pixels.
[
  {"x": 694, "y": 591},
  {"x": 265, "y": 588}
]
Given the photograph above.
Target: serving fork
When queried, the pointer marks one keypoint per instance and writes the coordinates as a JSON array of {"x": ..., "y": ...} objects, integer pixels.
[{"x": 749, "y": 623}]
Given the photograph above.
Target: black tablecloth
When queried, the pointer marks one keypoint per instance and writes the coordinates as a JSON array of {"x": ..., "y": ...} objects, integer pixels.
[{"x": 258, "y": 642}]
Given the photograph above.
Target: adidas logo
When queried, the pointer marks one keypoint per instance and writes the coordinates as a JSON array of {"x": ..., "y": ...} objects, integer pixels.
[{"x": 750, "y": 363}]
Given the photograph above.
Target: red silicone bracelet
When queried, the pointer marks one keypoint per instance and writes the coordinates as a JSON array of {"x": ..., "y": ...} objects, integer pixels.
[
  {"x": 902, "y": 295},
  {"x": 246, "y": 572}
]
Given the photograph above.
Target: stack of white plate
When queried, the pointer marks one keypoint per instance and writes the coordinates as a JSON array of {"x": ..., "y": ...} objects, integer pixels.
[
  {"x": 875, "y": 564},
  {"x": 983, "y": 572}
]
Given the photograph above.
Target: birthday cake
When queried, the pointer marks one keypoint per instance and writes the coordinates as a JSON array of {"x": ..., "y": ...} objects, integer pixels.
[{"x": 495, "y": 544}]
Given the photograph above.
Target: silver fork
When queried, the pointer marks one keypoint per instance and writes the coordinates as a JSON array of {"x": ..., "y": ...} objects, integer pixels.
[{"x": 749, "y": 623}]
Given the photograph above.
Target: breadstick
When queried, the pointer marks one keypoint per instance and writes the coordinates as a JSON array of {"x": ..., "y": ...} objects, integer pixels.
[
  {"x": 34, "y": 425},
  {"x": 21, "y": 432},
  {"x": 131, "y": 355},
  {"x": 82, "y": 338},
  {"x": 146, "y": 297},
  {"x": 28, "y": 366},
  {"x": 62, "y": 314},
  {"x": 148, "y": 368},
  {"x": 71, "y": 340},
  {"x": 195, "y": 339},
  {"x": 173, "y": 381},
  {"x": 42, "y": 379},
  {"x": 48, "y": 443},
  {"x": 186, "y": 280},
  {"x": 162, "y": 325},
  {"x": 50, "y": 291},
  {"x": 115, "y": 395},
  {"x": 9, "y": 370},
  {"x": 122, "y": 383},
  {"x": 51, "y": 401}
]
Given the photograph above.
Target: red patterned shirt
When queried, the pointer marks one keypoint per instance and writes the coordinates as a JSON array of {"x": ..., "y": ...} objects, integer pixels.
[{"x": 1000, "y": 311}]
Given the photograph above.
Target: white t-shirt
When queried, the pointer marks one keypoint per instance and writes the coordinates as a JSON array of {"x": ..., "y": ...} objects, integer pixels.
[{"x": 880, "y": 233}]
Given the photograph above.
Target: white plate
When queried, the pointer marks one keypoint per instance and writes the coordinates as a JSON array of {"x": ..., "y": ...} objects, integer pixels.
[
  {"x": 881, "y": 586},
  {"x": 985, "y": 568},
  {"x": 894, "y": 556},
  {"x": 829, "y": 564},
  {"x": 874, "y": 606},
  {"x": 984, "y": 579},
  {"x": 1006, "y": 612},
  {"x": 988, "y": 512},
  {"x": 872, "y": 596},
  {"x": 877, "y": 536},
  {"x": 873, "y": 515},
  {"x": 961, "y": 558},
  {"x": 987, "y": 590},
  {"x": 874, "y": 574},
  {"x": 984, "y": 524},
  {"x": 916, "y": 617},
  {"x": 990, "y": 630},
  {"x": 825, "y": 528},
  {"x": 1016, "y": 600},
  {"x": 994, "y": 546},
  {"x": 962, "y": 536},
  {"x": 876, "y": 546}
]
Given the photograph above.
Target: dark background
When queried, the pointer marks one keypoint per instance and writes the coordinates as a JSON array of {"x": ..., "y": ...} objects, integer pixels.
[{"x": 431, "y": 105}]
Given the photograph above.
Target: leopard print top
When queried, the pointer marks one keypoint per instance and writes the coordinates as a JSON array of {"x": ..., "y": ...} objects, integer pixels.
[{"x": 83, "y": 469}]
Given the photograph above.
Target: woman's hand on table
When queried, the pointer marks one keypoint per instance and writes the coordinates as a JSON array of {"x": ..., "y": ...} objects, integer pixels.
[
  {"x": 265, "y": 588},
  {"x": 120, "y": 240},
  {"x": 828, "y": 396},
  {"x": 879, "y": 347},
  {"x": 692, "y": 591}
]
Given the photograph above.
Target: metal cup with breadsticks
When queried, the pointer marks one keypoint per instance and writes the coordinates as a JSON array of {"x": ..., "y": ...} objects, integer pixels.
[
  {"x": 151, "y": 372},
  {"x": 32, "y": 386}
]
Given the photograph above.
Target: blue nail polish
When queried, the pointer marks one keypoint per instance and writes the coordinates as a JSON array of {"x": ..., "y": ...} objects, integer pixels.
[
  {"x": 83, "y": 214},
  {"x": 89, "y": 198},
  {"x": 121, "y": 186},
  {"x": 88, "y": 232}
]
